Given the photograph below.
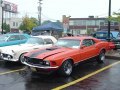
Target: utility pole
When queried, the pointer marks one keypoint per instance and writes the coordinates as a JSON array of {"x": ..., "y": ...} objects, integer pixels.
[
  {"x": 109, "y": 15},
  {"x": 2, "y": 5},
  {"x": 39, "y": 11}
]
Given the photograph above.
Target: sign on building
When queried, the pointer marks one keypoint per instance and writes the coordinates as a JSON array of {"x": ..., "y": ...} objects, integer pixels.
[
  {"x": 65, "y": 24},
  {"x": 10, "y": 7}
]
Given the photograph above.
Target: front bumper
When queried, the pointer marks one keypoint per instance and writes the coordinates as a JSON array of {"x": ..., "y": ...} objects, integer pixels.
[{"x": 40, "y": 67}]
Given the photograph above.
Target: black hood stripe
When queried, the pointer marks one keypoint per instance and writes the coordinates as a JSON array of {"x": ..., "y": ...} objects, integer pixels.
[
  {"x": 33, "y": 55},
  {"x": 37, "y": 53}
]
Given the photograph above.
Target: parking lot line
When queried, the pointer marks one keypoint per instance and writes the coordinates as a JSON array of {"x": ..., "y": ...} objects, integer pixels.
[
  {"x": 85, "y": 77},
  {"x": 12, "y": 71}
]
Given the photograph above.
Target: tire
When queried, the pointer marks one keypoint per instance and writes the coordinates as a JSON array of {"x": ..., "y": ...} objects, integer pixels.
[
  {"x": 66, "y": 68},
  {"x": 21, "y": 57},
  {"x": 101, "y": 57}
]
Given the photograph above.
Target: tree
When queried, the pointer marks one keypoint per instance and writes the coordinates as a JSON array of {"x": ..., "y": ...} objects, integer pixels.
[
  {"x": 6, "y": 27},
  {"x": 115, "y": 18},
  {"x": 28, "y": 24}
]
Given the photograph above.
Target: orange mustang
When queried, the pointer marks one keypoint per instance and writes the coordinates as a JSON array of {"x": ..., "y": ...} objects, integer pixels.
[{"x": 67, "y": 52}]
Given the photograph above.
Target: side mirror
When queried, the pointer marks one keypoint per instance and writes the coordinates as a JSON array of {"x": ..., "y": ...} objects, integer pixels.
[{"x": 83, "y": 46}]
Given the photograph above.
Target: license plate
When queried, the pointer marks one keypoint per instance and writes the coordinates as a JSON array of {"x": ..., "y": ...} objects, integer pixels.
[{"x": 33, "y": 69}]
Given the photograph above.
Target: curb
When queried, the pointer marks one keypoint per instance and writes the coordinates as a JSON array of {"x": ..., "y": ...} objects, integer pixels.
[
  {"x": 113, "y": 54},
  {"x": 112, "y": 57}
]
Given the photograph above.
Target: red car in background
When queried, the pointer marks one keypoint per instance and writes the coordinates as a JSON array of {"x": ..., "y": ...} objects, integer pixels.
[{"x": 67, "y": 52}]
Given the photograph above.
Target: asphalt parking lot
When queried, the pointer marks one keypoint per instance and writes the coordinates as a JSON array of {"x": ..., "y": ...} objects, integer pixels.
[{"x": 86, "y": 76}]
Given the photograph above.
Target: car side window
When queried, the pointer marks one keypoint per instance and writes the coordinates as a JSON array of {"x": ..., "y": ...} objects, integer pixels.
[
  {"x": 14, "y": 37},
  {"x": 88, "y": 42},
  {"x": 48, "y": 41},
  {"x": 22, "y": 37}
]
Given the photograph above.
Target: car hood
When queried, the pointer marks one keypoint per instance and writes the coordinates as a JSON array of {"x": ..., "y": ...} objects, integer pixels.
[
  {"x": 17, "y": 47},
  {"x": 42, "y": 54}
]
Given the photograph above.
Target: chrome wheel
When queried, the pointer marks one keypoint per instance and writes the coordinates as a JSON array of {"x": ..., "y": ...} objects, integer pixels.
[
  {"x": 101, "y": 57},
  {"x": 21, "y": 58},
  {"x": 66, "y": 68}
]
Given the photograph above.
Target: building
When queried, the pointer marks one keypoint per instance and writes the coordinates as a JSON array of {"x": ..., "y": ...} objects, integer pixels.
[
  {"x": 88, "y": 25},
  {"x": 14, "y": 23}
]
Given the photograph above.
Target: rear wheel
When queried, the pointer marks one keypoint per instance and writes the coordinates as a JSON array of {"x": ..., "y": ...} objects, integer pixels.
[
  {"x": 101, "y": 57},
  {"x": 66, "y": 68}
]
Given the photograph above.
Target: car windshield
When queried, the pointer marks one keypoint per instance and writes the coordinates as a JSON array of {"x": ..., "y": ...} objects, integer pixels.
[
  {"x": 70, "y": 43},
  {"x": 115, "y": 34},
  {"x": 3, "y": 38},
  {"x": 35, "y": 40}
]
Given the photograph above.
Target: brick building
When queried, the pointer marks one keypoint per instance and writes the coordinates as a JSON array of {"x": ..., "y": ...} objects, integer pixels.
[{"x": 88, "y": 25}]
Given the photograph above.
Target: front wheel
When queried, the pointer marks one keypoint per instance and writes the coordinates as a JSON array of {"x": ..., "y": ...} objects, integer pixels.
[
  {"x": 101, "y": 57},
  {"x": 21, "y": 58},
  {"x": 66, "y": 68}
]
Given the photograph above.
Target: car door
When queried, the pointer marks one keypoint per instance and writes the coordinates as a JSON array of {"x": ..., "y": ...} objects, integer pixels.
[{"x": 88, "y": 50}]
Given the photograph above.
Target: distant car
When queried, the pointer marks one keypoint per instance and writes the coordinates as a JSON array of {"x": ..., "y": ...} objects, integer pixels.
[
  {"x": 114, "y": 37},
  {"x": 13, "y": 39},
  {"x": 66, "y": 53},
  {"x": 15, "y": 52}
]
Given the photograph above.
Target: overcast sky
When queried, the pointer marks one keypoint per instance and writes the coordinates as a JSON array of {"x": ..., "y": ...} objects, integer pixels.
[{"x": 54, "y": 9}]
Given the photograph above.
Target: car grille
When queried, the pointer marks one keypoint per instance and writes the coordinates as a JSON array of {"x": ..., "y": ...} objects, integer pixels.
[
  {"x": 5, "y": 55},
  {"x": 34, "y": 61}
]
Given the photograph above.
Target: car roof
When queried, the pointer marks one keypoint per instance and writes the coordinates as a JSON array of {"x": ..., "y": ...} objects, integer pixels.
[
  {"x": 78, "y": 37},
  {"x": 44, "y": 36},
  {"x": 9, "y": 34},
  {"x": 107, "y": 31}
]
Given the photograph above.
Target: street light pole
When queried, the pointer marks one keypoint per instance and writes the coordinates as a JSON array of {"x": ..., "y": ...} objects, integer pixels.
[
  {"x": 2, "y": 6},
  {"x": 2, "y": 18},
  {"x": 109, "y": 15},
  {"x": 39, "y": 11}
]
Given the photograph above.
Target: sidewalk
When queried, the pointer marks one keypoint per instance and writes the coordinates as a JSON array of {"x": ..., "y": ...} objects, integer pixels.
[{"x": 113, "y": 54}]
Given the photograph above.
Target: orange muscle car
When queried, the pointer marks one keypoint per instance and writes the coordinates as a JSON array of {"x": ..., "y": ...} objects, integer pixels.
[{"x": 67, "y": 52}]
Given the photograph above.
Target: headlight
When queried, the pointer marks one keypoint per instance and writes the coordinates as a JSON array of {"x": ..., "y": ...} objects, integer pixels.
[
  {"x": 47, "y": 63},
  {"x": 9, "y": 57}
]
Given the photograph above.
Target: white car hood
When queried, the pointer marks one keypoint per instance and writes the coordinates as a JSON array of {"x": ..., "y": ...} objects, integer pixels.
[{"x": 15, "y": 48}]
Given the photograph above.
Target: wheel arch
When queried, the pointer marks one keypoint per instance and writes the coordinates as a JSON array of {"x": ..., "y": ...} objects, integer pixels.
[
  {"x": 21, "y": 55},
  {"x": 103, "y": 49},
  {"x": 69, "y": 59}
]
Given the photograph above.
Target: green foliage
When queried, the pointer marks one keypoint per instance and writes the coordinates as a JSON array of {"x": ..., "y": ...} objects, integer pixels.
[
  {"x": 28, "y": 24},
  {"x": 6, "y": 27},
  {"x": 116, "y": 18}
]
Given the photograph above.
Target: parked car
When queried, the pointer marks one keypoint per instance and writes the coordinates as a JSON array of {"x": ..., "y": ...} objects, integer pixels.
[
  {"x": 13, "y": 39},
  {"x": 114, "y": 36},
  {"x": 67, "y": 52},
  {"x": 15, "y": 52}
]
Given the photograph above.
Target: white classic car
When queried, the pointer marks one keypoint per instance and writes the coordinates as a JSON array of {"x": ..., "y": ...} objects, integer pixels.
[{"x": 15, "y": 52}]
